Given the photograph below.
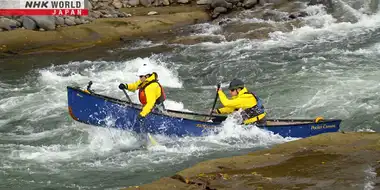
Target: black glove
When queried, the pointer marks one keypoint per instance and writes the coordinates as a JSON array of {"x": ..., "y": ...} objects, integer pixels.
[
  {"x": 123, "y": 86},
  {"x": 218, "y": 87}
]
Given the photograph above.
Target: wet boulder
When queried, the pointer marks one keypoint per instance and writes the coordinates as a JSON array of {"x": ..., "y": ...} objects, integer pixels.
[
  {"x": 28, "y": 23},
  {"x": 70, "y": 21},
  {"x": 234, "y": 2},
  {"x": 204, "y": 2},
  {"x": 249, "y": 3},
  {"x": 133, "y": 3},
  {"x": 224, "y": 22},
  {"x": 326, "y": 161},
  {"x": 219, "y": 3},
  {"x": 44, "y": 22},
  {"x": 146, "y": 3},
  {"x": 8, "y": 24},
  {"x": 218, "y": 10},
  {"x": 183, "y": 1},
  {"x": 262, "y": 2},
  {"x": 60, "y": 21},
  {"x": 117, "y": 4},
  {"x": 297, "y": 15}
]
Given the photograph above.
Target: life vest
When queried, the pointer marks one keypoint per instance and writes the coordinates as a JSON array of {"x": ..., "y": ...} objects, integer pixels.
[
  {"x": 254, "y": 111},
  {"x": 142, "y": 96}
]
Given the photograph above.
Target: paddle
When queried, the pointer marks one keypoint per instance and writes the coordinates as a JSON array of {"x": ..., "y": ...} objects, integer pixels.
[
  {"x": 216, "y": 98},
  {"x": 127, "y": 96},
  {"x": 88, "y": 90},
  {"x": 152, "y": 140}
]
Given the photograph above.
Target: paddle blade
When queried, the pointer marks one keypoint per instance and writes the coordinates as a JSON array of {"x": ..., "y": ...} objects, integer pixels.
[{"x": 153, "y": 142}]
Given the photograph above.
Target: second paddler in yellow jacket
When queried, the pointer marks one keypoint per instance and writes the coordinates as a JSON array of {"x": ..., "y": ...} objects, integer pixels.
[
  {"x": 151, "y": 93},
  {"x": 252, "y": 108}
]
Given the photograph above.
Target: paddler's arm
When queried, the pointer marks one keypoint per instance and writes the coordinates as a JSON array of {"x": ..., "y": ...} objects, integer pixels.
[
  {"x": 133, "y": 86},
  {"x": 150, "y": 94},
  {"x": 233, "y": 103},
  {"x": 224, "y": 110}
]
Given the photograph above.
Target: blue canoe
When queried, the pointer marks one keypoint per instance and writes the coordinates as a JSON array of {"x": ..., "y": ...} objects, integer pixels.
[{"x": 99, "y": 110}]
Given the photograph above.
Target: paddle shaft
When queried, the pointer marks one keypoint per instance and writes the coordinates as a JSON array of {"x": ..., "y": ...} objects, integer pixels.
[
  {"x": 89, "y": 87},
  {"x": 142, "y": 124},
  {"x": 127, "y": 96},
  {"x": 216, "y": 98},
  {"x": 148, "y": 136}
]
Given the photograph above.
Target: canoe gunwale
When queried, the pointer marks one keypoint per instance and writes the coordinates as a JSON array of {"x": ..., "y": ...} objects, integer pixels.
[{"x": 298, "y": 122}]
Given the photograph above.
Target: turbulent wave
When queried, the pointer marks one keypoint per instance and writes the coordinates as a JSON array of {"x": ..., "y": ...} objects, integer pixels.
[{"x": 36, "y": 129}]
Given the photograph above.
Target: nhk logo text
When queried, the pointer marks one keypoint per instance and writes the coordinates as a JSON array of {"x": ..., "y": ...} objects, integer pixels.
[
  {"x": 74, "y": 7},
  {"x": 54, "y": 4}
]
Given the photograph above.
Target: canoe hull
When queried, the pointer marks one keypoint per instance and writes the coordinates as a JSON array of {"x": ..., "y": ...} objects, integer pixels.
[{"x": 99, "y": 110}]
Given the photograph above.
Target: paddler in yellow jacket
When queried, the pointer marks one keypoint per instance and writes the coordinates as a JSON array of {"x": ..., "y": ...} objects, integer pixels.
[
  {"x": 151, "y": 93},
  {"x": 252, "y": 109}
]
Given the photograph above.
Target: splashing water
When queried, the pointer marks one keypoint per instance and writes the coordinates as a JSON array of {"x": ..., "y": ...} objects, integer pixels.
[{"x": 33, "y": 120}]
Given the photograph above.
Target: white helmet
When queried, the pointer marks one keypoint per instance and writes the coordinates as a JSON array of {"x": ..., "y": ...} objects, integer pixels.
[{"x": 144, "y": 70}]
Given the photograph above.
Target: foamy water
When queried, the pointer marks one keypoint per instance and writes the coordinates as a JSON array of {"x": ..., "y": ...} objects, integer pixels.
[
  {"x": 66, "y": 144},
  {"x": 340, "y": 76}
]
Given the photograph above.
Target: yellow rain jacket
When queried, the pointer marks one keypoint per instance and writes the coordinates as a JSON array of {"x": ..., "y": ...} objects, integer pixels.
[
  {"x": 150, "y": 93},
  {"x": 243, "y": 100}
]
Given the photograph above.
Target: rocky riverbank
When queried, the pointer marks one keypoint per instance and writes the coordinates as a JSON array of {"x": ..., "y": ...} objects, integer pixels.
[
  {"x": 108, "y": 21},
  {"x": 97, "y": 9},
  {"x": 100, "y": 31},
  {"x": 327, "y": 161},
  {"x": 114, "y": 9}
]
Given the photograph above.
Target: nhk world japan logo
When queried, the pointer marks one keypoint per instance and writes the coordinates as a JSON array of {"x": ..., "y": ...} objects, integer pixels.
[{"x": 44, "y": 7}]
